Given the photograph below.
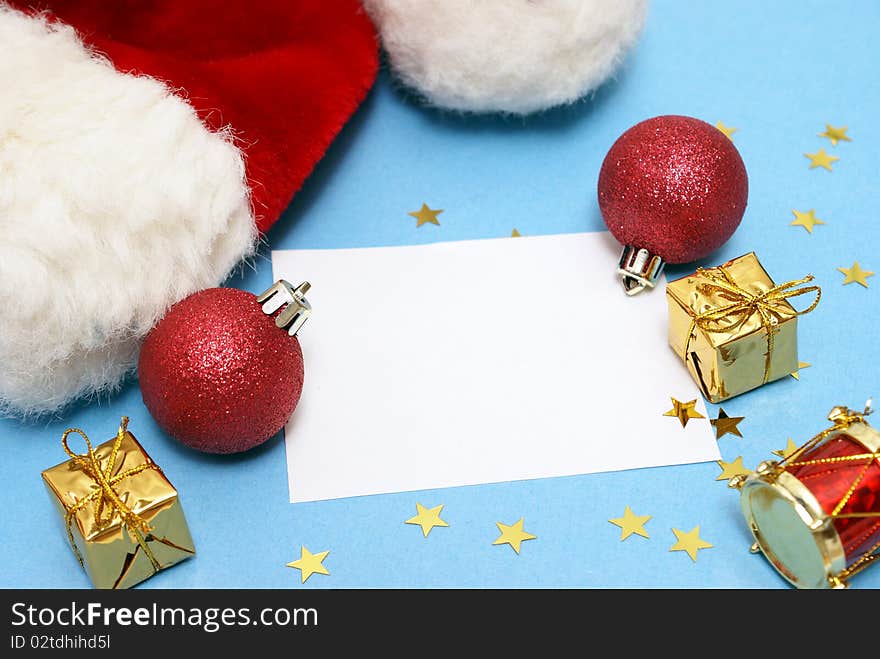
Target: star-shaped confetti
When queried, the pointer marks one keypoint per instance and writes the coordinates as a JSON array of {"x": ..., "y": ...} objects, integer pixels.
[
  {"x": 726, "y": 424},
  {"x": 683, "y": 411},
  {"x": 731, "y": 469},
  {"x": 836, "y": 135},
  {"x": 856, "y": 274},
  {"x": 691, "y": 542},
  {"x": 515, "y": 233},
  {"x": 797, "y": 374},
  {"x": 806, "y": 220},
  {"x": 427, "y": 518},
  {"x": 513, "y": 535},
  {"x": 821, "y": 159},
  {"x": 309, "y": 563},
  {"x": 631, "y": 523},
  {"x": 788, "y": 451},
  {"x": 727, "y": 130},
  {"x": 426, "y": 215}
]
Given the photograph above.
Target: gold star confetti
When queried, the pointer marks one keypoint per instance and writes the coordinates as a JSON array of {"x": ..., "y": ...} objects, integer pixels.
[
  {"x": 856, "y": 274},
  {"x": 631, "y": 523},
  {"x": 309, "y": 563},
  {"x": 731, "y": 469},
  {"x": 683, "y": 411},
  {"x": 726, "y": 424},
  {"x": 727, "y": 130},
  {"x": 427, "y": 518},
  {"x": 788, "y": 451},
  {"x": 425, "y": 215},
  {"x": 797, "y": 374},
  {"x": 835, "y": 134},
  {"x": 513, "y": 535},
  {"x": 806, "y": 220},
  {"x": 821, "y": 159},
  {"x": 515, "y": 233},
  {"x": 691, "y": 542}
]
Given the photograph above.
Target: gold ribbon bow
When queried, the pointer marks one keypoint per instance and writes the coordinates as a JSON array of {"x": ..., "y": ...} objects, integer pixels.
[
  {"x": 743, "y": 304},
  {"x": 105, "y": 497}
]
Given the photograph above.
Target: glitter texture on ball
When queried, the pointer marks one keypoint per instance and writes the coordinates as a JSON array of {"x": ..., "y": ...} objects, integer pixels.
[
  {"x": 217, "y": 374},
  {"x": 675, "y": 186}
]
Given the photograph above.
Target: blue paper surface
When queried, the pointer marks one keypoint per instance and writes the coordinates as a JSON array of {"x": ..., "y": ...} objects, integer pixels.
[{"x": 777, "y": 71}]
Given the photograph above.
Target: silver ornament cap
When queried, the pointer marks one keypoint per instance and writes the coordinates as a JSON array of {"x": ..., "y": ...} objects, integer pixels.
[
  {"x": 638, "y": 269},
  {"x": 296, "y": 308}
]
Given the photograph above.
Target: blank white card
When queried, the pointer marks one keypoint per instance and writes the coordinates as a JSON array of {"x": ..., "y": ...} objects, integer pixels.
[{"x": 480, "y": 361}]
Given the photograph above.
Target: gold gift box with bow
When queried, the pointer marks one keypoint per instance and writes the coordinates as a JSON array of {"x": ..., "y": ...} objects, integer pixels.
[
  {"x": 735, "y": 328},
  {"x": 123, "y": 518}
]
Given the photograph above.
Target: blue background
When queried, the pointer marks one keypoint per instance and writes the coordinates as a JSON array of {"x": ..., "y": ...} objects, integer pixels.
[{"x": 778, "y": 71}]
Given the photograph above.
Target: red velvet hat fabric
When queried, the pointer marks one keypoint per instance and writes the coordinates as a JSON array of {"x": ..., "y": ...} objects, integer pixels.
[{"x": 284, "y": 76}]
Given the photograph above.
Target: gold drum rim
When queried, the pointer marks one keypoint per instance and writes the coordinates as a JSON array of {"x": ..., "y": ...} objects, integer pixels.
[{"x": 792, "y": 530}]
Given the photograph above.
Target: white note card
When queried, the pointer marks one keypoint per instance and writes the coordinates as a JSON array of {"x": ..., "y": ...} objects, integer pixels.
[{"x": 480, "y": 361}]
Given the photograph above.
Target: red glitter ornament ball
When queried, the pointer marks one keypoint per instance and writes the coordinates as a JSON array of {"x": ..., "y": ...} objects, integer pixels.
[
  {"x": 217, "y": 374},
  {"x": 675, "y": 186}
]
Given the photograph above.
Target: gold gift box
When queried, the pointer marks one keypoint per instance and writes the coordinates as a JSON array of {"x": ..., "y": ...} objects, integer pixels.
[
  {"x": 734, "y": 327},
  {"x": 119, "y": 545}
]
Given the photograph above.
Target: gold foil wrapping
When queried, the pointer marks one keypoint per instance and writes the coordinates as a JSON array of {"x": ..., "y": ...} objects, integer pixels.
[
  {"x": 734, "y": 327},
  {"x": 114, "y": 555}
]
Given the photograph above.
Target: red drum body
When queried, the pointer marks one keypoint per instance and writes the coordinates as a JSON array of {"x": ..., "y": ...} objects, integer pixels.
[{"x": 816, "y": 514}]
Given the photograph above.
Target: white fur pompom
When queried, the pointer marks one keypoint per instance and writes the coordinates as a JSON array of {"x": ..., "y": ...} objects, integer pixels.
[
  {"x": 515, "y": 56},
  {"x": 115, "y": 202}
]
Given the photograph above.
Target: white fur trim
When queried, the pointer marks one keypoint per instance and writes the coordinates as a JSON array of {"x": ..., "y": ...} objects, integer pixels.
[
  {"x": 115, "y": 202},
  {"x": 514, "y": 56}
]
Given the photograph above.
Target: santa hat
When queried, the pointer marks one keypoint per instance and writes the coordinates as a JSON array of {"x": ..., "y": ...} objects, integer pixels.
[{"x": 144, "y": 147}]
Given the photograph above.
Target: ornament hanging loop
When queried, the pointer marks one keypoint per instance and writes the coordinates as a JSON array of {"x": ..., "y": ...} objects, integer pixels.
[
  {"x": 638, "y": 269},
  {"x": 295, "y": 309},
  {"x": 844, "y": 417}
]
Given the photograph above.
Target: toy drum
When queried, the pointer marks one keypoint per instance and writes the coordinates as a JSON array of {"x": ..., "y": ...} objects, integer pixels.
[{"x": 816, "y": 514}]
